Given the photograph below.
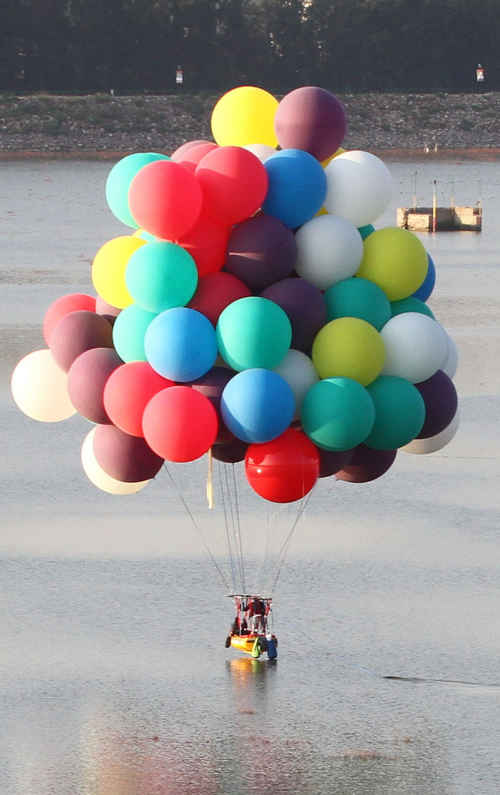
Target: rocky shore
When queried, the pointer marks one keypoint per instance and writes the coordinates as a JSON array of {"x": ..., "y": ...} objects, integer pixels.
[{"x": 107, "y": 126}]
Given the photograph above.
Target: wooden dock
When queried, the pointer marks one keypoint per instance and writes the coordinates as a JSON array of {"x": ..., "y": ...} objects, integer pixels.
[{"x": 439, "y": 219}]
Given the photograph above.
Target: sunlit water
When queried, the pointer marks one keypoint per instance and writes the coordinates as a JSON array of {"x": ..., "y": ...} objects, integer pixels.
[{"x": 113, "y": 672}]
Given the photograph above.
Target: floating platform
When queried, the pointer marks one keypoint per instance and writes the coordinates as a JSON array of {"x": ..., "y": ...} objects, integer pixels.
[{"x": 440, "y": 219}]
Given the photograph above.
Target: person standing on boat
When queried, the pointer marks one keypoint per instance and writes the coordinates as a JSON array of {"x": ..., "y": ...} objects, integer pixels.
[{"x": 256, "y": 611}]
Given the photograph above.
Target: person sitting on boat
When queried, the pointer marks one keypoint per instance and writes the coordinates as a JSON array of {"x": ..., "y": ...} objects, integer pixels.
[{"x": 256, "y": 612}]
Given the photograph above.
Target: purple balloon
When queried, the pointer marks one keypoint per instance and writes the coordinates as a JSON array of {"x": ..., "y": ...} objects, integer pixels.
[
  {"x": 126, "y": 458},
  {"x": 230, "y": 453},
  {"x": 87, "y": 378},
  {"x": 312, "y": 119},
  {"x": 261, "y": 251},
  {"x": 78, "y": 332},
  {"x": 366, "y": 464},
  {"x": 440, "y": 398},
  {"x": 305, "y": 306},
  {"x": 212, "y": 385},
  {"x": 332, "y": 461}
]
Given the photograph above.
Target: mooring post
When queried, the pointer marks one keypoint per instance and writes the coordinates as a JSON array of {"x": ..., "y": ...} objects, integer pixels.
[
  {"x": 415, "y": 190},
  {"x": 434, "y": 207}
]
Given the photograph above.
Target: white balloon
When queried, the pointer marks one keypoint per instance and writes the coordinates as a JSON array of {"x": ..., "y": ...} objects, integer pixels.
[
  {"x": 299, "y": 372},
  {"x": 40, "y": 387},
  {"x": 416, "y": 346},
  {"x": 359, "y": 187},
  {"x": 329, "y": 249},
  {"x": 262, "y": 151},
  {"x": 99, "y": 477},
  {"x": 436, "y": 442},
  {"x": 450, "y": 364}
]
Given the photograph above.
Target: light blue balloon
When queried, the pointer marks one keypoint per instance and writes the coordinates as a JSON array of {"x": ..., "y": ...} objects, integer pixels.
[
  {"x": 297, "y": 187},
  {"x": 119, "y": 180},
  {"x": 257, "y": 405},
  {"x": 180, "y": 344},
  {"x": 129, "y": 329},
  {"x": 427, "y": 286}
]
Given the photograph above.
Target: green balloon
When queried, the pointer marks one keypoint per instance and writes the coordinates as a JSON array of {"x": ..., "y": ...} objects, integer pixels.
[
  {"x": 410, "y": 304},
  {"x": 162, "y": 276},
  {"x": 118, "y": 183},
  {"x": 357, "y": 297},
  {"x": 337, "y": 413},
  {"x": 399, "y": 412},
  {"x": 129, "y": 329},
  {"x": 253, "y": 332}
]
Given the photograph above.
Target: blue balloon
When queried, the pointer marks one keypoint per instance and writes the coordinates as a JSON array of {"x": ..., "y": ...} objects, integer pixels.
[
  {"x": 180, "y": 344},
  {"x": 257, "y": 405},
  {"x": 297, "y": 187},
  {"x": 427, "y": 285}
]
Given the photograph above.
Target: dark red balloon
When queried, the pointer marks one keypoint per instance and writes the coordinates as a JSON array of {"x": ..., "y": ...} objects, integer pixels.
[
  {"x": 215, "y": 291},
  {"x": 332, "y": 461},
  {"x": 366, "y": 464},
  {"x": 234, "y": 183},
  {"x": 231, "y": 452},
  {"x": 124, "y": 457},
  {"x": 207, "y": 244},
  {"x": 87, "y": 378},
  {"x": 79, "y": 332},
  {"x": 212, "y": 385},
  {"x": 128, "y": 391},
  {"x": 165, "y": 199},
  {"x": 285, "y": 469},
  {"x": 312, "y": 119},
  {"x": 63, "y": 306},
  {"x": 261, "y": 251},
  {"x": 441, "y": 401},
  {"x": 305, "y": 306},
  {"x": 180, "y": 424}
]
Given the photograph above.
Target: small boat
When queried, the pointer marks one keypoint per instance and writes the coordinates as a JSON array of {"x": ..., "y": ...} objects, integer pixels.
[{"x": 251, "y": 629}]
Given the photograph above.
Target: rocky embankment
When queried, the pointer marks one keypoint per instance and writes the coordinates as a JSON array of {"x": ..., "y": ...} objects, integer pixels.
[{"x": 106, "y": 126}]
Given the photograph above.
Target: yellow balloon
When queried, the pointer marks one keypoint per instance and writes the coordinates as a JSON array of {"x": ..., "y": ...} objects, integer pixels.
[
  {"x": 349, "y": 347},
  {"x": 109, "y": 266},
  {"x": 243, "y": 116},
  {"x": 396, "y": 260},
  {"x": 339, "y": 151}
]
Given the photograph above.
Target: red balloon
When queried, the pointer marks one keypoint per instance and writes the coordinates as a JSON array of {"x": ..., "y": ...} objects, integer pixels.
[
  {"x": 215, "y": 291},
  {"x": 79, "y": 332},
  {"x": 123, "y": 457},
  {"x": 180, "y": 424},
  {"x": 366, "y": 464},
  {"x": 190, "y": 158},
  {"x": 179, "y": 153},
  {"x": 87, "y": 378},
  {"x": 63, "y": 306},
  {"x": 165, "y": 199},
  {"x": 285, "y": 469},
  {"x": 207, "y": 244},
  {"x": 127, "y": 392},
  {"x": 234, "y": 183}
]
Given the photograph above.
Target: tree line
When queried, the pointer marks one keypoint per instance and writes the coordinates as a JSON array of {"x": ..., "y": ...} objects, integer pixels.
[{"x": 342, "y": 45}]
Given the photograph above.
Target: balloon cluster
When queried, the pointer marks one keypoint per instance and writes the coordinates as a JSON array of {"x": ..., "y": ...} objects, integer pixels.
[{"x": 251, "y": 309}]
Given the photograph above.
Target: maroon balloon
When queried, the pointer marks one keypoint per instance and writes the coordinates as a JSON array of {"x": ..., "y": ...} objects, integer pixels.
[
  {"x": 212, "y": 385},
  {"x": 231, "y": 452},
  {"x": 261, "y": 251},
  {"x": 440, "y": 398},
  {"x": 124, "y": 457},
  {"x": 366, "y": 464},
  {"x": 332, "y": 461},
  {"x": 79, "y": 332},
  {"x": 312, "y": 119},
  {"x": 87, "y": 378},
  {"x": 305, "y": 306}
]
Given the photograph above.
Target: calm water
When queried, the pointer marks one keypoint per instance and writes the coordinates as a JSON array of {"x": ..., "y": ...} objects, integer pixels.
[{"x": 113, "y": 674}]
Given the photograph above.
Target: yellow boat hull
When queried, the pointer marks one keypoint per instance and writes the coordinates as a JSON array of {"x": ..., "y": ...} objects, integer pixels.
[{"x": 253, "y": 644}]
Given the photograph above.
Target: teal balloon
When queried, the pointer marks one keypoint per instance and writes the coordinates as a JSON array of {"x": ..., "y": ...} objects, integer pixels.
[
  {"x": 161, "y": 276},
  {"x": 253, "y": 332},
  {"x": 410, "y": 305},
  {"x": 399, "y": 412},
  {"x": 129, "y": 329},
  {"x": 364, "y": 231},
  {"x": 147, "y": 236},
  {"x": 358, "y": 297},
  {"x": 337, "y": 413},
  {"x": 118, "y": 183}
]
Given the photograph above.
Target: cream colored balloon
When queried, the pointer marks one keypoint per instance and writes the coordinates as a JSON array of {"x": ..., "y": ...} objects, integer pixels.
[
  {"x": 40, "y": 387},
  {"x": 262, "y": 151},
  {"x": 433, "y": 443},
  {"x": 99, "y": 477}
]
